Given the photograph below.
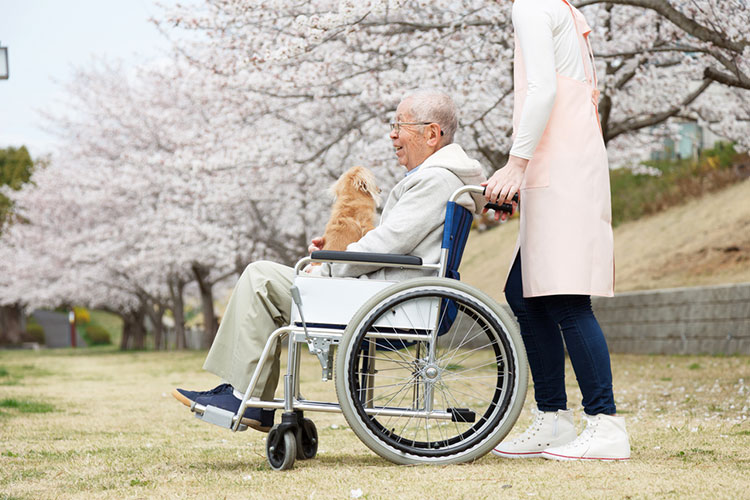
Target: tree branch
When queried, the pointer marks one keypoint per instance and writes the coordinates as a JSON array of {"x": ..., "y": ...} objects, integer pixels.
[
  {"x": 665, "y": 9},
  {"x": 738, "y": 80},
  {"x": 655, "y": 119}
]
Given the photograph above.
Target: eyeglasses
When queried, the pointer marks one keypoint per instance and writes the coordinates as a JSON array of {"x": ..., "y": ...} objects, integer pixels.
[{"x": 396, "y": 126}]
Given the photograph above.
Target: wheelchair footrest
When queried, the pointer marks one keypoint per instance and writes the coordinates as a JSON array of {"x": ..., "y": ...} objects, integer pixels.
[{"x": 216, "y": 416}]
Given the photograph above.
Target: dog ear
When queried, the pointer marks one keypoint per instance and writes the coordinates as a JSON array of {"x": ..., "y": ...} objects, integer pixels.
[
  {"x": 376, "y": 196},
  {"x": 366, "y": 183}
]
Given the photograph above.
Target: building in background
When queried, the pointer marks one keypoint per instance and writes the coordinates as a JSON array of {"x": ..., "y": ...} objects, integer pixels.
[{"x": 691, "y": 140}]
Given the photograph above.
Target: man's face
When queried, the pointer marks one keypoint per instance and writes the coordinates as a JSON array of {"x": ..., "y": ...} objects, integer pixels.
[{"x": 410, "y": 141}]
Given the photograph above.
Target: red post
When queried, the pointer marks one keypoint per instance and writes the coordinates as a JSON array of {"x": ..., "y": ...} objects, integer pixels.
[{"x": 72, "y": 321}]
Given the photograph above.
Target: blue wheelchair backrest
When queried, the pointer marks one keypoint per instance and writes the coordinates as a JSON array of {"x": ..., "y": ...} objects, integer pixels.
[
  {"x": 458, "y": 222},
  {"x": 455, "y": 233}
]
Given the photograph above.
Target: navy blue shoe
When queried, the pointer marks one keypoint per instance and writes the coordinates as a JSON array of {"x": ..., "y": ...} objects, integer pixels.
[
  {"x": 187, "y": 397},
  {"x": 259, "y": 419}
]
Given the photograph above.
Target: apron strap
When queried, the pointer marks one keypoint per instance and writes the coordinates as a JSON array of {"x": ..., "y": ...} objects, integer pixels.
[
  {"x": 591, "y": 60},
  {"x": 589, "y": 67},
  {"x": 587, "y": 54}
]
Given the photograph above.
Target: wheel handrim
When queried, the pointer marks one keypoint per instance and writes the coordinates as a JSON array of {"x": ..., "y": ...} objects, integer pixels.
[{"x": 460, "y": 377}]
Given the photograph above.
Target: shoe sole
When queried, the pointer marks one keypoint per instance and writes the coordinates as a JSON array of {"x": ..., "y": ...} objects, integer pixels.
[
  {"x": 531, "y": 454},
  {"x": 555, "y": 456},
  {"x": 250, "y": 422},
  {"x": 181, "y": 398}
]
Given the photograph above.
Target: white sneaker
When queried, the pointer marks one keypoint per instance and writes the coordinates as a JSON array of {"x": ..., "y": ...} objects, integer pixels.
[
  {"x": 549, "y": 428},
  {"x": 604, "y": 438}
]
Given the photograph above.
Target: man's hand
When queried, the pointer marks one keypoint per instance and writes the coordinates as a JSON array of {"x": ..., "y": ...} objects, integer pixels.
[
  {"x": 316, "y": 244},
  {"x": 505, "y": 183}
]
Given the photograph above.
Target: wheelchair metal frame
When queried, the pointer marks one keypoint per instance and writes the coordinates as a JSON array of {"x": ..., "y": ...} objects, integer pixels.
[{"x": 320, "y": 341}]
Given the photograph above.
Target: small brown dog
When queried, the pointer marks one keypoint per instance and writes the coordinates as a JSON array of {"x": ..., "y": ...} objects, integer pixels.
[{"x": 353, "y": 212}]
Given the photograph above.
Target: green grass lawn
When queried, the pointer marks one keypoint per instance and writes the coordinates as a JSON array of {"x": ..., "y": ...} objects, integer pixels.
[{"x": 101, "y": 424}]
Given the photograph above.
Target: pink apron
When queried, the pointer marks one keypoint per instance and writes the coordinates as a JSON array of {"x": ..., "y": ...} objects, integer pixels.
[{"x": 565, "y": 236}]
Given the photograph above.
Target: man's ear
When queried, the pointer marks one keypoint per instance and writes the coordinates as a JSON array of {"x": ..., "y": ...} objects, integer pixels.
[{"x": 434, "y": 134}]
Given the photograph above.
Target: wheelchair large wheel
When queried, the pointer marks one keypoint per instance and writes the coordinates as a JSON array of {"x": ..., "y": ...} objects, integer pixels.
[{"x": 413, "y": 396}]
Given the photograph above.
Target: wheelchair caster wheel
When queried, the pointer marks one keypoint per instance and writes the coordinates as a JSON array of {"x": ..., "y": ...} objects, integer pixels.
[
  {"x": 281, "y": 449},
  {"x": 307, "y": 440}
]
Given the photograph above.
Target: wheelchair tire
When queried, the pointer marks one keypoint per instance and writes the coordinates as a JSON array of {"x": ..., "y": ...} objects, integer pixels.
[
  {"x": 307, "y": 440},
  {"x": 282, "y": 455},
  {"x": 476, "y": 372}
]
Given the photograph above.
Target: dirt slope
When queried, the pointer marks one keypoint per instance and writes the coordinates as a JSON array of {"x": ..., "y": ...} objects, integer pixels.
[{"x": 703, "y": 242}]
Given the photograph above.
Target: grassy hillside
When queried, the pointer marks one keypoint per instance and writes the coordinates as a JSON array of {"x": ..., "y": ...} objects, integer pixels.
[
  {"x": 636, "y": 194},
  {"x": 705, "y": 241}
]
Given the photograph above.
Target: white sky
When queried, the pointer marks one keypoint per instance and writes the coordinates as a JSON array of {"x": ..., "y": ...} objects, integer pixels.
[{"x": 46, "y": 39}]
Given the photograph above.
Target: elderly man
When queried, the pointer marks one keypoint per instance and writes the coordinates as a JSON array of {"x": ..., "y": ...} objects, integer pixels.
[{"x": 411, "y": 223}]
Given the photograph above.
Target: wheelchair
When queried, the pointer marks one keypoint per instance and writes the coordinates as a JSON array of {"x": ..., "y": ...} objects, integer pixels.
[{"x": 427, "y": 370}]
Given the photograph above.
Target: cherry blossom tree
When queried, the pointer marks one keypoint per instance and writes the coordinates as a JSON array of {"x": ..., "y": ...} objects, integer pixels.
[
  {"x": 714, "y": 27},
  {"x": 671, "y": 60},
  {"x": 176, "y": 174},
  {"x": 123, "y": 219},
  {"x": 657, "y": 59},
  {"x": 165, "y": 193}
]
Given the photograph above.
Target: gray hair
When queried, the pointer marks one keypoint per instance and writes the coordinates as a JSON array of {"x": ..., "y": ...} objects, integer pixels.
[{"x": 432, "y": 105}]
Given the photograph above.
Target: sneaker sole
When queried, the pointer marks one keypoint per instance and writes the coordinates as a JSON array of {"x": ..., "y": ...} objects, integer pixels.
[
  {"x": 181, "y": 398},
  {"x": 503, "y": 454},
  {"x": 555, "y": 456},
  {"x": 250, "y": 422}
]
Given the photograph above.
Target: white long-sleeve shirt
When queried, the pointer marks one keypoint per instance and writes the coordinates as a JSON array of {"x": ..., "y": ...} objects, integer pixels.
[{"x": 549, "y": 43}]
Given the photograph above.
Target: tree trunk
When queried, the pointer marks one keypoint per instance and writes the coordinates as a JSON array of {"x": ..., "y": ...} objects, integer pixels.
[
  {"x": 210, "y": 325},
  {"x": 176, "y": 288},
  {"x": 125, "y": 337},
  {"x": 139, "y": 328},
  {"x": 11, "y": 324},
  {"x": 127, "y": 332},
  {"x": 158, "y": 314},
  {"x": 155, "y": 312},
  {"x": 133, "y": 330}
]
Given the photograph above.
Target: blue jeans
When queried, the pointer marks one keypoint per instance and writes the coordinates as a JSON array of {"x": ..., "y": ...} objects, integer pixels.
[{"x": 541, "y": 320}]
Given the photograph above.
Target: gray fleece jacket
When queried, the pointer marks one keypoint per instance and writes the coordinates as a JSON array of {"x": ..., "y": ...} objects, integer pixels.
[{"x": 414, "y": 214}]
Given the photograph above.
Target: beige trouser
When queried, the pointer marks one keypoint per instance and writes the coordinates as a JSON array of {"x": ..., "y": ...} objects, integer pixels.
[{"x": 260, "y": 303}]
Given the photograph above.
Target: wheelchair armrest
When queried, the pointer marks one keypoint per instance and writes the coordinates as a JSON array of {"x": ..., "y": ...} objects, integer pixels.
[{"x": 375, "y": 258}]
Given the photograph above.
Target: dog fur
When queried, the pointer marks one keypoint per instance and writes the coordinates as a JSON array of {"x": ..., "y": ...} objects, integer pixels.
[{"x": 353, "y": 212}]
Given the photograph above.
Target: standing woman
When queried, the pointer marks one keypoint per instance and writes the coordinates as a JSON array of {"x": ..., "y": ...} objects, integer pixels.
[{"x": 565, "y": 254}]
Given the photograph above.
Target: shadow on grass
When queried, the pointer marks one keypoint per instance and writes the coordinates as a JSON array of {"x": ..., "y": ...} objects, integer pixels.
[
  {"x": 352, "y": 461},
  {"x": 328, "y": 462}
]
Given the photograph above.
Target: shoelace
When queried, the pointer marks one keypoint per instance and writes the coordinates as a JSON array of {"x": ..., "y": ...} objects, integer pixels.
[
  {"x": 587, "y": 434},
  {"x": 534, "y": 427},
  {"x": 218, "y": 389}
]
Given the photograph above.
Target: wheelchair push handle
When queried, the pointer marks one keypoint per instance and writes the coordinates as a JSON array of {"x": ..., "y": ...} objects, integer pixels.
[{"x": 505, "y": 207}]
